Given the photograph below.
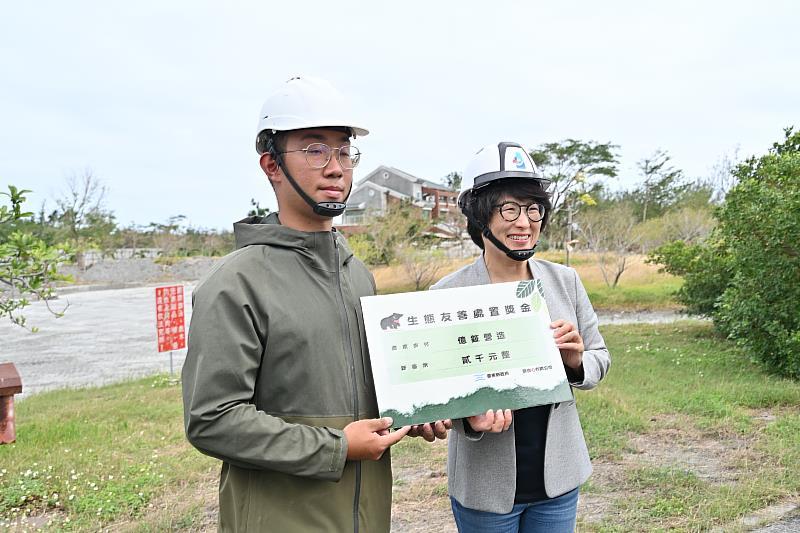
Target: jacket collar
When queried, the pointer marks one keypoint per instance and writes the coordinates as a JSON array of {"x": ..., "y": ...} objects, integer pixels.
[
  {"x": 481, "y": 274},
  {"x": 318, "y": 247}
]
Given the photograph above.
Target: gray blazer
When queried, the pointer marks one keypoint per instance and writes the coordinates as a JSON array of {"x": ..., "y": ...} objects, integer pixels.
[{"x": 481, "y": 467}]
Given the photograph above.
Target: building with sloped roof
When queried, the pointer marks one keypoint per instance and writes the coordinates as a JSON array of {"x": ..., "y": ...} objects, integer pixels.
[{"x": 385, "y": 184}]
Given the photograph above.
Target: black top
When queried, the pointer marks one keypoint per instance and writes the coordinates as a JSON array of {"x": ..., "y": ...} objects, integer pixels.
[{"x": 530, "y": 435}]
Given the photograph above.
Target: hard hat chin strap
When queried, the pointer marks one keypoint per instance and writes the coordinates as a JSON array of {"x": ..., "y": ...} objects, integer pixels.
[
  {"x": 516, "y": 255},
  {"x": 324, "y": 209}
]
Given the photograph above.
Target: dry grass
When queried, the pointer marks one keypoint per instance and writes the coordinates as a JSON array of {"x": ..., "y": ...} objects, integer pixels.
[
  {"x": 419, "y": 497},
  {"x": 391, "y": 279},
  {"x": 638, "y": 273},
  {"x": 641, "y": 287}
]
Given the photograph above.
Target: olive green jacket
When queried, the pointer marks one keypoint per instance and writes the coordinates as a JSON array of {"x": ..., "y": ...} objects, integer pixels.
[{"x": 277, "y": 365}]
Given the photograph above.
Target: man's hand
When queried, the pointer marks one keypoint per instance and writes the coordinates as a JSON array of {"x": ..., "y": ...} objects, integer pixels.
[
  {"x": 569, "y": 343},
  {"x": 368, "y": 439},
  {"x": 492, "y": 421},
  {"x": 431, "y": 431}
]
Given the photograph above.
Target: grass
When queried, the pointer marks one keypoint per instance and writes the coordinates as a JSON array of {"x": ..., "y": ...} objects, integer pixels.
[
  {"x": 686, "y": 434},
  {"x": 641, "y": 287},
  {"x": 690, "y": 433},
  {"x": 85, "y": 458}
]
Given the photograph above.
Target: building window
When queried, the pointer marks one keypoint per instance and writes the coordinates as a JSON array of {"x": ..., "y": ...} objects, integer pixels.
[
  {"x": 386, "y": 175},
  {"x": 371, "y": 192}
]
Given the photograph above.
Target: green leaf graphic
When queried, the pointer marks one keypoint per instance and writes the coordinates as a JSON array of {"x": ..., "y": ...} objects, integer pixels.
[
  {"x": 536, "y": 302},
  {"x": 540, "y": 287},
  {"x": 525, "y": 288}
]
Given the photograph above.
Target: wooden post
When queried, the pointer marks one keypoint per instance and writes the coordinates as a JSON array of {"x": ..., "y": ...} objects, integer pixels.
[{"x": 10, "y": 384}]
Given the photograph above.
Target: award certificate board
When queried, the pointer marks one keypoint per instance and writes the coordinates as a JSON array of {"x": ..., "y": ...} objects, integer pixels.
[{"x": 453, "y": 353}]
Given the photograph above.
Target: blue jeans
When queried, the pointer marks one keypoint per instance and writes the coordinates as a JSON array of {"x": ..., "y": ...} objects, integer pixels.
[{"x": 556, "y": 515}]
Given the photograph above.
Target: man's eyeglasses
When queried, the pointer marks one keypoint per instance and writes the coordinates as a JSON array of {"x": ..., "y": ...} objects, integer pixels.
[
  {"x": 318, "y": 155},
  {"x": 510, "y": 211}
]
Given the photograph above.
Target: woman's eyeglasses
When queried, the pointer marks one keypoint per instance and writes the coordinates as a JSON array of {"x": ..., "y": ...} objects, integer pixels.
[{"x": 510, "y": 211}]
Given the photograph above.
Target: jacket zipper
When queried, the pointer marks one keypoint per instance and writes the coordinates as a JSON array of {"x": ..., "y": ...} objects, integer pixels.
[{"x": 346, "y": 325}]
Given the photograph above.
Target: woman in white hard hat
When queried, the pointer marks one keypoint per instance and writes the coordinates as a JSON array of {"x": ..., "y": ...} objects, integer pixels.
[{"x": 522, "y": 477}]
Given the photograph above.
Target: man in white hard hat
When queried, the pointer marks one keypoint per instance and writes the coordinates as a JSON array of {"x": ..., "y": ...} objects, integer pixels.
[{"x": 277, "y": 380}]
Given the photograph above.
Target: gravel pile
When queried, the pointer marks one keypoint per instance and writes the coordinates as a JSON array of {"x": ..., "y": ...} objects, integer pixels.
[{"x": 135, "y": 271}]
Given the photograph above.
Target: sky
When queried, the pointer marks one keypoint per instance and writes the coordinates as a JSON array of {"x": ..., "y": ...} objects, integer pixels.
[{"x": 160, "y": 100}]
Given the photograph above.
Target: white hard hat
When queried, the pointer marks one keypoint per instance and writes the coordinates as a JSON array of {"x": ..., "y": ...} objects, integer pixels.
[
  {"x": 499, "y": 161},
  {"x": 307, "y": 102}
]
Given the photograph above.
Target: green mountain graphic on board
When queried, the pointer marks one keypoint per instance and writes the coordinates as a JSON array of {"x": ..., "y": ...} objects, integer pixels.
[{"x": 480, "y": 401}]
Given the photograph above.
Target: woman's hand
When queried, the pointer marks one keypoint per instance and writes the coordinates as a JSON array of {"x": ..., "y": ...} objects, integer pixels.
[
  {"x": 569, "y": 343},
  {"x": 431, "y": 431},
  {"x": 491, "y": 421}
]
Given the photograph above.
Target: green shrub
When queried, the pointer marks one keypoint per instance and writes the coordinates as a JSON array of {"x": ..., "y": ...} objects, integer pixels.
[
  {"x": 761, "y": 222},
  {"x": 364, "y": 248},
  {"x": 706, "y": 271},
  {"x": 747, "y": 275}
]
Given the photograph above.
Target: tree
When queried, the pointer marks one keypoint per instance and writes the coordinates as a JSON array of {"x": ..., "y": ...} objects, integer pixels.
[
  {"x": 453, "y": 180},
  {"x": 572, "y": 165},
  {"x": 451, "y": 220},
  {"x": 690, "y": 224},
  {"x": 257, "y": 210},
  {"x": 722, "y": 178},
  {"x": 609, "y": 233},
  {"x": 401, "y": 224},
  {"x": 671, "y": 211},
  {"x": 421, "y": 265},
  {"x": 574, "y": 168},
  {"x": 747, "y": 274},
  {"x": 454, "y": 223},
  {"x": 81, "y": 214},
  {"x": 28, "y": 265},
  {"x": 661, "y": 185},
  {"x": 167, "y": 236}
]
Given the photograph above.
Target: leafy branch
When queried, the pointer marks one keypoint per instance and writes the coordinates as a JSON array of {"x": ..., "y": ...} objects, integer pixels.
[{"x": 28, "y": 265}]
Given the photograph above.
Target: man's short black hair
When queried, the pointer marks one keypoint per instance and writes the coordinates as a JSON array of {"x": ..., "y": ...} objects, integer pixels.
[
  {"x": 263, "y": 138},
  {"x": 279, "y": 138},
  {"x": 480, "y": 203}
]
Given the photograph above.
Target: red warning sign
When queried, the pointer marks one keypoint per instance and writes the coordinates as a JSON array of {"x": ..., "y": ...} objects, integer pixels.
[{"x": 170, "y": 325}]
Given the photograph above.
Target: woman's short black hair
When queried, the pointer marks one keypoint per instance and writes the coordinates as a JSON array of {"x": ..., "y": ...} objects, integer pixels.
[{"x": 479, "y": 203}]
